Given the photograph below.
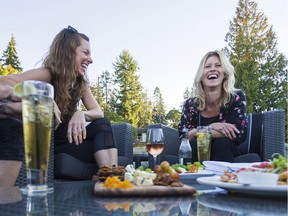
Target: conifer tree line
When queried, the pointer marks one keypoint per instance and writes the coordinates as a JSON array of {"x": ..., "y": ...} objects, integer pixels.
[{"x": 261, "y": 71}]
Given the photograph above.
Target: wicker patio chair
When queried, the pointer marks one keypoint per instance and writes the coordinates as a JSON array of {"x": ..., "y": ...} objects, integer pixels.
[
  {"x": 265, "y": 136},
  {"x": 123, "y": 135},
  {"x": 273, "y": 133}
]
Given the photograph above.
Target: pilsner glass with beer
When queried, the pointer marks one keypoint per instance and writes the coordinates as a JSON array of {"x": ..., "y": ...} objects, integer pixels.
[
  {"x": 203, "y": 143},
  {"x": 37, "y": 111}
]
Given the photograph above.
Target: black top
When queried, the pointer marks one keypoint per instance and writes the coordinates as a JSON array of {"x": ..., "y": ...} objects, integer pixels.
[{"x": 233, "y": 112}]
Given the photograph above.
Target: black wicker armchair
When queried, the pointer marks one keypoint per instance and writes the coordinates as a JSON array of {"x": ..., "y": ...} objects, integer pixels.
[
  {"x": 265, "y": 136},
  {"x": 123, "y": 135}
]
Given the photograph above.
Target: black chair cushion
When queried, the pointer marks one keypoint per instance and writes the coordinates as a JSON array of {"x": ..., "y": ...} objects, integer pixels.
[
  {"x": 253, "y": 139},
  {"x": 248, "y": 158},
  {"x": 256, "y": 137}
]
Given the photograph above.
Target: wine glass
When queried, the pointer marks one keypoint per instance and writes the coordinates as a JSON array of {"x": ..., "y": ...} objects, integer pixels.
[{"x": 155, "y": 142}]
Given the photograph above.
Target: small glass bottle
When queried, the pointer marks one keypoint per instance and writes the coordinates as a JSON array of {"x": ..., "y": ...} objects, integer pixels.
[{"x": 185, "y": 151}]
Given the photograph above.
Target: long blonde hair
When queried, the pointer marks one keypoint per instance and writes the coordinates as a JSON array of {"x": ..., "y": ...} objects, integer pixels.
[
  {"x": 61, "y": 62},
  {"x": 228, "y": 88}
]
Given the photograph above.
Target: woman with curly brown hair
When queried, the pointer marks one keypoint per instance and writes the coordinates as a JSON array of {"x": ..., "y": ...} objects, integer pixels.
[{"x": 65, "y": 67}]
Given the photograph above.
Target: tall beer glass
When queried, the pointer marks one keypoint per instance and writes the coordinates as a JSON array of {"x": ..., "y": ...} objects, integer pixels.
[{"x": 37, "y": 110}]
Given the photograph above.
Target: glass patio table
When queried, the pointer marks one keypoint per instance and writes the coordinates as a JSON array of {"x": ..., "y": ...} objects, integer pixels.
[{"x": 77, "y": 198}]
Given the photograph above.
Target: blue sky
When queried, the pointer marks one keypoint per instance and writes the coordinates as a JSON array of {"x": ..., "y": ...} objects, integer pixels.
[{"x": 166, "y": 37}]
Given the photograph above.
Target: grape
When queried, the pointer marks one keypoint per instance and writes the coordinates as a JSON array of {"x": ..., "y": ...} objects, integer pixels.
[
  {"x": 165, "y": 166},
  {"x": 175, "y": 176},
  {"x": 157, "y": 169}
]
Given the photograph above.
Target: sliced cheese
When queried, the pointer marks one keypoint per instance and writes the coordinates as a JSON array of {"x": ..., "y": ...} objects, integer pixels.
[
  {"x": 145, "y": 174},
  {"x": 138, "y": 180},
  {"x": 128, "y": 176}
]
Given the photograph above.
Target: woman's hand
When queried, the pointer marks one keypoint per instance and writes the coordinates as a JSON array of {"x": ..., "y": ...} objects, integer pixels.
[
  {"x": 11, "y": 106},
  {"x": 192, "y": 134},
  {"x": 226, "y": 129},
  {"x": 76, "y": 128},
  {"x": 11, "y": 109}
]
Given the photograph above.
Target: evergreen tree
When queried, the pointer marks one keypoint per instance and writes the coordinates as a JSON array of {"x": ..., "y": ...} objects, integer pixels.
[
  {"x": 173, "y": 118},
  {"x": 145, "y": 112},
  {"x": 105, "y": 83},
  {"x": 111, "y": 109},
  {"x": 97, "y": 91},
  {"x": 159, "y": 112},
  {"x": 10, "y": 56},
  {"x": 130, "y": 89},
  {"x": 261, "y": 71}
]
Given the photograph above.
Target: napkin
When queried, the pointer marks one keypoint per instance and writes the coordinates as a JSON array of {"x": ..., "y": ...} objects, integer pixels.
[{"x": 218, "y": 167}]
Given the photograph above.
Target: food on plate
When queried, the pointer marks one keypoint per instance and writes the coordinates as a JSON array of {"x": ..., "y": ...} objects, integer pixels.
[
  {"x": 164, "y": 166},
  {"x": 190, "y": 168},
  {"x": 163, "y": 174},
  {"x": 143, "y": 177},
  {"x": 115, "y": 182},
  {"x": 139, "y": 176},
  {"x": 156, "y": 168},
  {"x": 228, "y": 177},
  {"x": 268, "y": 172},
  {"x": 120, "y": 177},
  {"x": 283, "y": 177},
  {"x": 167, "y": 176},
  {"x": 106, "y": 171}
]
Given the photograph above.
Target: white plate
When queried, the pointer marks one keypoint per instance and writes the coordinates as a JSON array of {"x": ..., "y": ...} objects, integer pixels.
[
  {"x": 195, "y": 175},
  {"x": 268, "y": 190}
]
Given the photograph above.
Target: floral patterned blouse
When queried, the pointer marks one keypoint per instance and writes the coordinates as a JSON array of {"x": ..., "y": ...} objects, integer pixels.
[{"x": 233, "y": 112}]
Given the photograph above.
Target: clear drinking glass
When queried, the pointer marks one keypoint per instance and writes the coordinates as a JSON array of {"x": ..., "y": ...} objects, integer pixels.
[
  {"x": 155, "y": 142},
  {"x": 37, "y": 205},
  {"x": 37, "y": 111},
  {"x": 203, "y": 143}
]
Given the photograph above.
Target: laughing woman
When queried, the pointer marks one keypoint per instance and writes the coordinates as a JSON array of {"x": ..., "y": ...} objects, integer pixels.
[
  {"x": 65, "y": 67},
  {"x": 216, "y": 103}
]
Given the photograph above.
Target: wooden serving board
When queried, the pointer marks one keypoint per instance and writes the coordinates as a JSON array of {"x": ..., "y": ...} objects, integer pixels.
[{"x": 153, "y": 190}]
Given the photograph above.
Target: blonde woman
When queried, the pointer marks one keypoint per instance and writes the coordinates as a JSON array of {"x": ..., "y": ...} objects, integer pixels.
[{"x": 216, "y": 103}]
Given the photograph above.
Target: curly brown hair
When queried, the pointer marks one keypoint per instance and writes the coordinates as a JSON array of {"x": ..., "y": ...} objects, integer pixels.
[{"x": 61, "y": 62}]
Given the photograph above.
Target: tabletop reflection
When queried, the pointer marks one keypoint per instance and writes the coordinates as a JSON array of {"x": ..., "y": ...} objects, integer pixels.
[{"x": 78, "y": 199}]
